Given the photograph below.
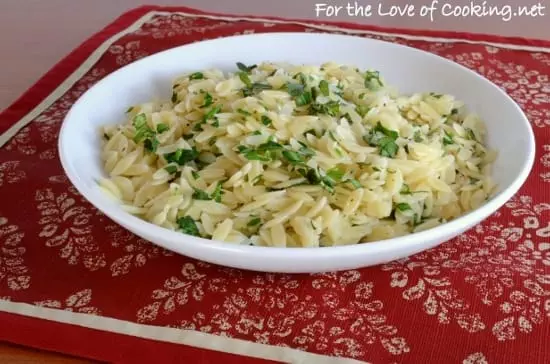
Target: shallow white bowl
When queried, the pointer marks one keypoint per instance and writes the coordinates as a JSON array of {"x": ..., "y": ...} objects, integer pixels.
[{"x": 408, "y": 69}]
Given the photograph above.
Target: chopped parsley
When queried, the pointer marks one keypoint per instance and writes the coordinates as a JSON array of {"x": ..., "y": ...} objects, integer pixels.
[
  {"x": 293, "y": 157},
  {"x": 218, "y": 193},
  {"x": 144, "y": 133},
  {"x": 254, "y": 222},
  {"x": 418, "y": 136},
  {"x": 188, "y": 226},
  {"x": 201, "y": 195},
  {"x": 405, "y": 189},
  {"x": 403, "y": 206},
  {"x": 470, "y": 134},
  {"x": 384, "y": 139},
  {"x": 208, "y": 100},
  {"x": 336, "y": 174},
  {"x": 362, "y": 110},
  {"x": 448, "y": 139},
  {"x": 243, "y": 112},
  {"x": 171, "y": 168},
  {"x": 243, "y": 68},
  {"x": 266, "y": 120},
  {"x": 196, "y": 76},
  {"x": 182, "y": 156},
  {"x": 130, "y": 109},
  {"x": 323, "y": 87},
  {"x": 355, "y": 183},
  {"x": 294, "y": 89},
  {"x": 161, "y": 128},
  {"x": 331, "y": 108},
  {"x": 195, "y": 175},
  {"x": 372, "y": 80}
]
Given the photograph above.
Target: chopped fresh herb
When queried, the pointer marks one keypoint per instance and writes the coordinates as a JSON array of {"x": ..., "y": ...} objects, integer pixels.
[
  {"x": 403, "y": 206},
  {"x": 266, "y": 120},
  {"x": 245, "y": 79},
  {"x": 130, "y": 109},
  {"x": 295, "y": 89},
  {"x": 182, "y": 156},
  {"x": 313, "y": 176},
  {"x": 270, "y": 145},
  {"x": 142, "y": 130},
  {"x": 253, "y": 155},
  {"x": 212, "y": 141},
  {"x": 252, "y": 88},
  {"x": 470, "y": 134},
  {"x": 200, "y": 195},
  {"x": 210, "y": 114},
  {"x": 388, "y": 148},
  {"x": 385, "y": 139},
  {"x": 292, "y": 157},
  {"x": 216, "y": 123},
  {"x": 328, "y": 183},
  {"x": 187, "y": 136},
  {"x": 372, "y": 80},
  {"x": 195, "y": 175},
  {"x": 405, "y": 189},
  {"x": 335, "y": 173},
  {"x": 362, "y": 96},
  {"x": 161, "y": 128},
  {"x": 244, "y": 112},
  {"x": 418, "y": 136},
  {"x": 208, "y": 100},
  {"x": 301, "y": 77},
  {"x": 331, "y": 108},
  {"x": 331, "y": 135},
  {"x": 362, "y": 110},
  {"x": 253, "y": 222},
  {"x": 243, "y": 68},
  {"x": 323, "y": 87},
  {"x": 198, "y": 126},
  {"x": 196, "y": 76},
  {"x": 218, "y": 193},
  {"x": 257, "y": 132},
  {"x": 355, "y": 183},
  {"x": 304, "y": 99},
  {"x": 448, "y": 139},
  {"x": 305, "y": 151},
  {"x": 171, "y": 168},
  {"x": 151, "y": 144},
  {"x": 188, "y": 226}
]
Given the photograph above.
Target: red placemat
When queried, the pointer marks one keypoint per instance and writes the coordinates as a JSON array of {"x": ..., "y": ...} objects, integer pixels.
[{"x": 73, "y": 281}]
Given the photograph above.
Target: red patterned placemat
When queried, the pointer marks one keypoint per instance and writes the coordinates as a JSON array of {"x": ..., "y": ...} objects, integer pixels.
[{"x": 73, "y": 281}]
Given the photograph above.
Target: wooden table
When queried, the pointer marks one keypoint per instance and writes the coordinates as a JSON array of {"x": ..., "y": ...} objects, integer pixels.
[{"x": 19, "y": 355}]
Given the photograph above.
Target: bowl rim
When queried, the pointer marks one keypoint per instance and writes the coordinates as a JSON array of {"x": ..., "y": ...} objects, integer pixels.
[{"x": 139, "y": 226}]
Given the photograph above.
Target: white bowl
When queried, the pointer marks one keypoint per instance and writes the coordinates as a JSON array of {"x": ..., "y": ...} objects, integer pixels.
[{"x": 411, "y": 70}]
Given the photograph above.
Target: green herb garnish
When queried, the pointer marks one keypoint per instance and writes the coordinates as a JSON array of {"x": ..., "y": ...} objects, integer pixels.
[
  {"x": 372, "y": 80},
  {"x": 188, "y": 226},
  {"x": 448, "y": 139},
  {"x": 196, "y": 76},
  {"x": 200, "y": 195},
  {"x": 323, "y": 87},
  {"x": 208, "y": 100},
  {"x": 403, "y": 206},
  {"x": 243, "y": 68},
  {"x": 253, "y": 222},
  {"x": 335, "y": 173},
  {"x": 292, "y": 157},
  {"x": 182, "y": 156},
  {"x": 266, "y": 120},
  {"x": 171, "y": 169},
  {"x": 161, "y": 128}
]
